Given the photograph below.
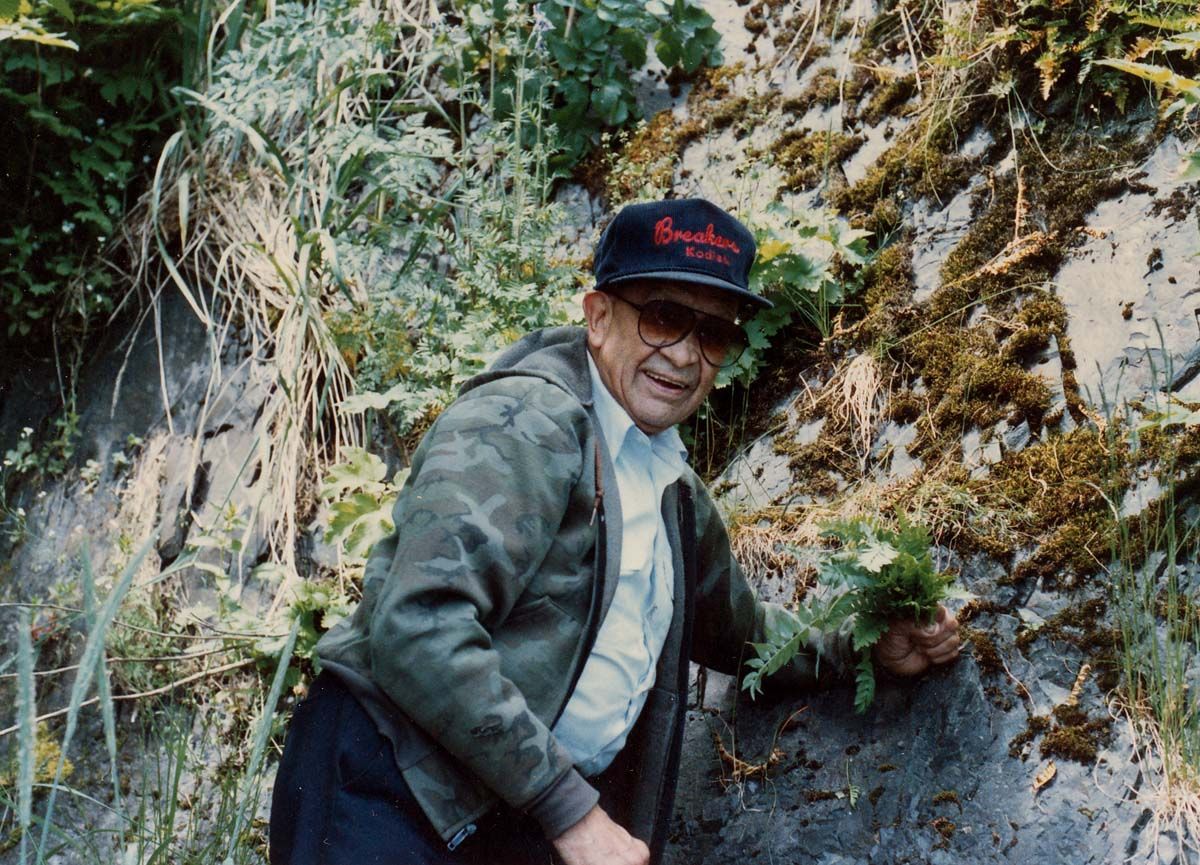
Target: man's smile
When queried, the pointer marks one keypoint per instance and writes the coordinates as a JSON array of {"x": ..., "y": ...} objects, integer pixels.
[{"x": 668, "y": 383}]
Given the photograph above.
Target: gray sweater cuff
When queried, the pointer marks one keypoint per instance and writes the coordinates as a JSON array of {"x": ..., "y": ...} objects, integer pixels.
[{"x": 563, "y": 804}]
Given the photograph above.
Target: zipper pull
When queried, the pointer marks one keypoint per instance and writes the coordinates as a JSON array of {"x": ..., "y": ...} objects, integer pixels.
[{"x": 462, "y": 835}]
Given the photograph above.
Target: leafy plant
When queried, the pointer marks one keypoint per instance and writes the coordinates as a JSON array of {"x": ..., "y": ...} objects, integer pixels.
[
  {"x": 1068, "y": 39},
  {"x": 589, "y": 50},
  {"x": 879, "y": 574},
  {"x": 1186, "y": 89},
  {"x": 360, "y": 501},
  {"x": 808, "y": 264},
  {"x": 86, "y": 113}
]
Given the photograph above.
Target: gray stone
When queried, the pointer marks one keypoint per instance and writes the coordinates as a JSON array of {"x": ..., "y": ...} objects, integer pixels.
[
  {"x": 937, "y": 230},
  {"x": 1129, "y": 294}
]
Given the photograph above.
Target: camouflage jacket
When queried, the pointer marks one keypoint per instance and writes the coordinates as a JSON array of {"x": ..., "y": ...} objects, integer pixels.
[{"x": 479, "y": 610}]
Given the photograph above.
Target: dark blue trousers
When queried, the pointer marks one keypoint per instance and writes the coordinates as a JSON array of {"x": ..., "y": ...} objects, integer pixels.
[{"x": 340, "y": 800}]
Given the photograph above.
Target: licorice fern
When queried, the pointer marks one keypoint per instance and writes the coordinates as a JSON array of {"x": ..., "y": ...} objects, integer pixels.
[{"x": 877, "y": 575}]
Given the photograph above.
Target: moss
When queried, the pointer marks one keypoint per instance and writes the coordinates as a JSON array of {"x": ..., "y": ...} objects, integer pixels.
[
  {"x": 947, "y": 796},
  {"x": 1080, "y": 625},
  {"x": 818, "y": 468},
  {"x": 1036, "y": 726},
  {"x": 884, "y": 220},
  {"x": 805, "y": 155},
  {"x": 755, "y": 20},
  {"x": 977, "y": 607},
  {"x": 944, "y": 827},
  {"x": 971, "y": 387},
  {"x": 647, "y": 158},
  {"x": 1074, "y": 524},
  {"x": 826, "y": 89},
  {"x": 1078, "y": 743},
  {"x": 914, "y": 166},
  {"x": 905, "y": 407},
  {"x": 1038, "y": 320},
  {"x": 888, "y": 287},
  {"x": 987, "y": 656},
  {"x": 1070, "y": 715},
  {"x": 1071, "y": 553},
  {"x": 887, "y": 97},
  {"x": 714, "y": 103}
]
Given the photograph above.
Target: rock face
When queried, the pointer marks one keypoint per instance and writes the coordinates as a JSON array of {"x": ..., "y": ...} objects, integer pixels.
[
  {"x": 924, "y": 777},
  {"x": 943, "y": 770}
]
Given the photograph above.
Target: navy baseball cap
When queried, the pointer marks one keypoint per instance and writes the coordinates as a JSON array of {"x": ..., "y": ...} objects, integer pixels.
[{"x": 681, "y": 240}]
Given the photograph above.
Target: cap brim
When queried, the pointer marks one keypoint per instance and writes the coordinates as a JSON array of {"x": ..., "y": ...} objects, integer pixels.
[{"x": 692, "y": 279}]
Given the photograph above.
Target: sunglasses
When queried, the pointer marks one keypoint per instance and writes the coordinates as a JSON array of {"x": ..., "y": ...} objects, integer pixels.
[{"x": 663, "y": 323}]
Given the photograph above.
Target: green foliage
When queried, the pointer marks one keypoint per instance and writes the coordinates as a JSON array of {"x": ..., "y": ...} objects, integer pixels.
[
  {"x": 587, "y": 51},
  {"x": 786, "y": 638},
  {"x": 877, "y": 575},
  {"x": 86, "y": 114},
  {"x": 1075, "y": 46},
  {"x": 808, "y": 264},
  {"x": 52, "y": 457},
  {"x": 889, "y": 572},
  {"x": 360, "y": 501}
]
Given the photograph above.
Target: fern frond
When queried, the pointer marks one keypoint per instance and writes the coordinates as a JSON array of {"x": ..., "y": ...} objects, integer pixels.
[
  {"x": 864, "y": 682},
  {"x": 1049, "y": 70}
]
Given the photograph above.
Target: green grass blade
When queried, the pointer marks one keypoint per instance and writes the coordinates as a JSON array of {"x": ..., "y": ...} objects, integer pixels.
[
  {"x": 102, "y": 686},
  {"x": 26, "y": 734},
  {"x": 260, "y": 738},
  {"x": 87, "y": 667}
]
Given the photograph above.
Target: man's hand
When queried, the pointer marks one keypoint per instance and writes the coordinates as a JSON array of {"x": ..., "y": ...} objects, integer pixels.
[
  {"x": 597, "y": 840},
  {"x": 908, "y": 648}
]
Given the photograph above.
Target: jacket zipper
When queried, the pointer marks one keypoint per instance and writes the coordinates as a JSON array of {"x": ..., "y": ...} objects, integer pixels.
[{"x": 462, "y": 835}]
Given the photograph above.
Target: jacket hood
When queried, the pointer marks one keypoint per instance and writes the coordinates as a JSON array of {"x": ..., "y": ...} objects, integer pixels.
[{"x": 554, "y": 354}]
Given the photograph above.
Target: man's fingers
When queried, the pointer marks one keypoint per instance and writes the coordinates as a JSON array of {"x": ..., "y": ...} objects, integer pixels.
[
  {"x": 947, "y": 651},
  {"x": 943, "y": 628}
]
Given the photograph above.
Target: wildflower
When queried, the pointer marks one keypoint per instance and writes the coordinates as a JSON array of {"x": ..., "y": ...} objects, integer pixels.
[
  {"x": 99, "y": 121},
  {"x": 26, "y": 431},
  {"x": 68, "y": 226},
  {"x": 541, "y": 24}
]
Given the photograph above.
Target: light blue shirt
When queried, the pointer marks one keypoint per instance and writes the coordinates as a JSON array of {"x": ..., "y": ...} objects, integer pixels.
[{"x": 619, "y": 673}]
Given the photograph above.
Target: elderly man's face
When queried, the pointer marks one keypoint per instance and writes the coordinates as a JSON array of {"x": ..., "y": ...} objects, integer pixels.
[{"x": 658, "y": 387}]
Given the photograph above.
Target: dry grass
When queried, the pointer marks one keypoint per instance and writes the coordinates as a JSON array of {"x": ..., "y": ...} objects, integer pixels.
[
  {"x": 861, "y": 389},
  {"x": 244, "y": 247},
  {"x": 1171, "y": 789}
]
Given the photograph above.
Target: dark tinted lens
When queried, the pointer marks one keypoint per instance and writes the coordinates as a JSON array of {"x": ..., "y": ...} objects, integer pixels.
[
  {"x": 722, "y": 342},
  {"x": 663, "y": 323}
]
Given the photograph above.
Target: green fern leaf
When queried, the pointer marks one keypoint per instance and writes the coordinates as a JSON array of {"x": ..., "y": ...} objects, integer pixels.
[{"x": 864, "y": 681}]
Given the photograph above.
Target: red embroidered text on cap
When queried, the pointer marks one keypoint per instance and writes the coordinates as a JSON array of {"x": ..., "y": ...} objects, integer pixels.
[{"x": 665, "y": 233}]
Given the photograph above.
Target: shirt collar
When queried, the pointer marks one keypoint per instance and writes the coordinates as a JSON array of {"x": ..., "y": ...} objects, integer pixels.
[{"x": 617, "y": 425}]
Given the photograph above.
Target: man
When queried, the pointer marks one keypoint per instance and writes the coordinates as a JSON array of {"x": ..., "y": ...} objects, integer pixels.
[{"x": 512, "y": 686}]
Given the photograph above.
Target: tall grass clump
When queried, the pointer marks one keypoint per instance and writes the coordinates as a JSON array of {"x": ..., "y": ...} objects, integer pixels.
[{"x": 1156, "y": 593}]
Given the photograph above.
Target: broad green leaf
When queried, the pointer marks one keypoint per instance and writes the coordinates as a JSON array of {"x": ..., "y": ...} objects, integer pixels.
[
  {"x": 62, "y": 7},
  {"x": 360, "y": 469},
  {"x": 360, "y": 522},
  {"x": 877, "y": 555}
]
